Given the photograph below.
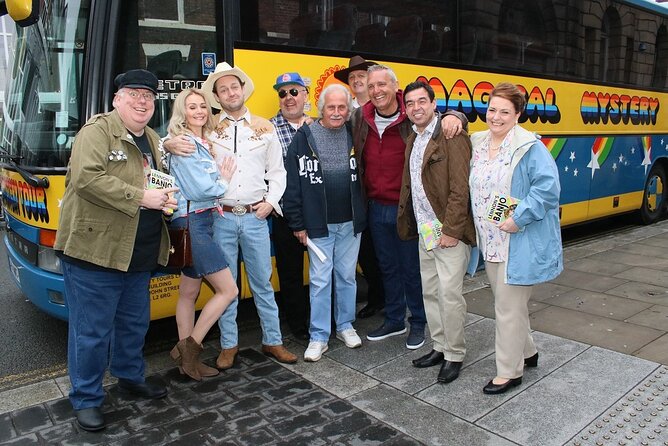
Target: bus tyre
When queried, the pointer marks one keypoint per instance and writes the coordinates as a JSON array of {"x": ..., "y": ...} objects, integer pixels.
[{"x": 654, "y": 196}]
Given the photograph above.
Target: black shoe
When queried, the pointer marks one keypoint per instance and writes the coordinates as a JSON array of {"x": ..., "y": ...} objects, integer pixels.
[
  {"x": 144, "y": 390},
  {"x": 368, "y": 311},
  {"x": 430, "y": 359},
  {"x": 449, "y": 371},
  {"x": 532, "y": 361},
  {"x": 90, "y": 419},
  {"x": 494, "y": 389}
]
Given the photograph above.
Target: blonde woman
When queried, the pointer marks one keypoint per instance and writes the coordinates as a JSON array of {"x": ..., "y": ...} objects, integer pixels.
[{"x": 201, "y": 182}]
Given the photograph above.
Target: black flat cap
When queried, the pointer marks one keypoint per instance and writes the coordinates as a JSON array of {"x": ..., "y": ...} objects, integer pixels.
[{"x": 137, "y": 79}]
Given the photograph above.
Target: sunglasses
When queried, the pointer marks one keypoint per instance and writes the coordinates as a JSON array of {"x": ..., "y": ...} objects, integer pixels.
[{"x": 293, "y": 92}]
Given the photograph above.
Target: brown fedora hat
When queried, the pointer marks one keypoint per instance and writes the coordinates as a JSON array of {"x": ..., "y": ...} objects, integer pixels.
[{"x": 355, "y": 63}]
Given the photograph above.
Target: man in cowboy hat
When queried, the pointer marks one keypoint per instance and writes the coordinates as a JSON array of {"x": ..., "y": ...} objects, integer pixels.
[
  {"x": 355, "y": 77},
  {"x": 253, "y": 194}
]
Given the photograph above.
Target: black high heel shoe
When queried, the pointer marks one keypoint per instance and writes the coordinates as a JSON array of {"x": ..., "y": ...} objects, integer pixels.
[
  {"x": 531, "y": 361},
  {"x": 495, "y": 389}
]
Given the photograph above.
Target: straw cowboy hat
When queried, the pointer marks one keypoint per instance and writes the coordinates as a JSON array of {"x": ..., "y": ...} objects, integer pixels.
[
  {"x": 224, "y": 69},
  {"x": 355, "y": 63}
]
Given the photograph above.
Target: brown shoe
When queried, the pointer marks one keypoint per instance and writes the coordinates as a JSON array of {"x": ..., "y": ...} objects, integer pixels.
[
  {"x": 226, "y": 358},
  {"x": 280, "y": 353}
]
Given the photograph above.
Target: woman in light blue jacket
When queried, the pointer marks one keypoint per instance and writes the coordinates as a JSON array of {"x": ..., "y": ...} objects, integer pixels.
[
  {"x": 201, "y": 181},
  {"x": 515, "y": 201}
]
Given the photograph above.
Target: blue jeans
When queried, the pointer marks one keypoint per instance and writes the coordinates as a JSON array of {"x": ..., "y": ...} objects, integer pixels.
[
  {"x": 341, "y": 247},
  {"x": 252, "y": 234},
  {"x": 400, "y": 267},
  {"x": 108, "y": 319}
]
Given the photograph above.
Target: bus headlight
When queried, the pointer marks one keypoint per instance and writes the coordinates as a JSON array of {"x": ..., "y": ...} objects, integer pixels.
[{"x": 48, "y": 260}]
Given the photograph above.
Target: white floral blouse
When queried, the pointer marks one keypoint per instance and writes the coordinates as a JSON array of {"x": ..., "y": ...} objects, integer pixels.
[{"x": 490, "y": 177}]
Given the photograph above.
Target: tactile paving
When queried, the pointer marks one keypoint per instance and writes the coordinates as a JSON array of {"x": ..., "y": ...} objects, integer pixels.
[{"x": 639, "y": 418}]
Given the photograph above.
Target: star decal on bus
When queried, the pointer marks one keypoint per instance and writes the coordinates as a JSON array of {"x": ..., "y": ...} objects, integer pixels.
[
  {"x": 647, "y": 148},
  {"x": 572, "y": 157},
  {"x": 599, "y": 153}
]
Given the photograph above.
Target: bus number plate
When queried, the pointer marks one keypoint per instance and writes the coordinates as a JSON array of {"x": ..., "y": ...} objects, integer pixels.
[{"x": 15, "y": 271}]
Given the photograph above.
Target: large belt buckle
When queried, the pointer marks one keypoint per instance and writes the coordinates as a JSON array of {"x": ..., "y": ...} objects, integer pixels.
[{"x": 239, "y": 210}]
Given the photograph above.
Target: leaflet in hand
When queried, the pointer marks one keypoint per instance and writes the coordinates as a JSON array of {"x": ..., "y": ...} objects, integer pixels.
[
  {"x": 161, "y": 180},
  {"x": 317, "y": 251},
  {"x": 430, "y": 233},
  {"x": 501, "y": 208}
]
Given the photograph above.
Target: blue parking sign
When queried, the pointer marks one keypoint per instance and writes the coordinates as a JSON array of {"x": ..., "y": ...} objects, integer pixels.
[{"x": 208, "y": 63}]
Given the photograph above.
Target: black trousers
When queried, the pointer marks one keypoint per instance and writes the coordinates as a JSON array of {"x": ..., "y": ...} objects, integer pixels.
[
  {"x": 369, "y": 264},
  {"x": 293, "y": 304}
]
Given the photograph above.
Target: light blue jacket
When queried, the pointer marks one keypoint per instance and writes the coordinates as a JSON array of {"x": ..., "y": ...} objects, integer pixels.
[
  {"x": 198, "y": 180},
  {"x": 535, "y": 252}
]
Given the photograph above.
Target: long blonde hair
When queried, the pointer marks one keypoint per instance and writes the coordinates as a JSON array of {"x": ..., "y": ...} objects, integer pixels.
[{"x": 177, "y": 122}]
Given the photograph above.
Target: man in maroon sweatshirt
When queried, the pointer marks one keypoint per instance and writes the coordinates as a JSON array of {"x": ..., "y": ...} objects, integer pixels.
[{"x": 380, "y": 129}]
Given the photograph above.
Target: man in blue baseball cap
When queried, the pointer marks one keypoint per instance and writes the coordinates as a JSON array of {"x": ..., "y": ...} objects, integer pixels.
[{"x": 294, "y": 301}]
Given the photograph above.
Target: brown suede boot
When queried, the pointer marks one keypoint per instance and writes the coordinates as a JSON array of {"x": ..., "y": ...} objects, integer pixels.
[
  {"x": 189, "y": 351},
  {"x": 226, "y": 358},
  {"x": 280, "y": 353},
  {"x": 204, "y": 370}
]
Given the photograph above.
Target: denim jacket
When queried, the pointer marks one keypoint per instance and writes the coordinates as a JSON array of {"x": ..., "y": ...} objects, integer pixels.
[
  {"x": 198, "y": 180},
  {"x": 535, "y": 251}
]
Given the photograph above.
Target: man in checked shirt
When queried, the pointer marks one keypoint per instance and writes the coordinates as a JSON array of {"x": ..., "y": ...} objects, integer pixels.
[{"x": 294, "y": 301}]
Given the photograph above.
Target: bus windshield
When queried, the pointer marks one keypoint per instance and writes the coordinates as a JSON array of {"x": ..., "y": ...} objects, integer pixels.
[{"x": 41, "y": 113}]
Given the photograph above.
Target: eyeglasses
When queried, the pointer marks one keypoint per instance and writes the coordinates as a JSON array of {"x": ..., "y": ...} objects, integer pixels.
[
  {"x": 149, "y": 97},
  {"x": 293, "y": 92}
]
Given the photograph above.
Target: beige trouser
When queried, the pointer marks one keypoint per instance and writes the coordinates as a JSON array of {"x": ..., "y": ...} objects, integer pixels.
[
  {"x": 442, "y": 271},
  {"x": 513, "y": 333}
]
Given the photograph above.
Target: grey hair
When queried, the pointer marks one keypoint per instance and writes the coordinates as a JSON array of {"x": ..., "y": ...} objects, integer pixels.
[
  {"x": 379, "y": 67},
  {"x": 330, "y": 88}
]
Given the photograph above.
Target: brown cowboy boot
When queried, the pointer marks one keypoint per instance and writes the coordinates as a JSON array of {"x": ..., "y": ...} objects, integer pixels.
[
  {"x": 188, "y": 352},
  {"x": 226, "y": 358},
  {"x": 279, "y": 353},
  {"x": 204, "y": 370}
]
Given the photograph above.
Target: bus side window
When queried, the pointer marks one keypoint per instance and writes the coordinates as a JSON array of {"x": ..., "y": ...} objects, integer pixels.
[{"x": 403, "y": 36}]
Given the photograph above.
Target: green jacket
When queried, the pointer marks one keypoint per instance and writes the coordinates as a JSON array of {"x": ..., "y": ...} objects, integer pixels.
[{"x": 99, "y": 213}]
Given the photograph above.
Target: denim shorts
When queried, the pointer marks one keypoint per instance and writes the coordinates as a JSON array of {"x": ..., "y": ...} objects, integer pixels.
[{"x": 208, "y": 257}]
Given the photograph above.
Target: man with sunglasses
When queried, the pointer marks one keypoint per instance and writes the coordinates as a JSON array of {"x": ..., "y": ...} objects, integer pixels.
[{"x": 294, "y": 302}]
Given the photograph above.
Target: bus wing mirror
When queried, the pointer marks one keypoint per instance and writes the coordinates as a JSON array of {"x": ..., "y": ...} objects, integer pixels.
[{"x": 23, "y": 12}]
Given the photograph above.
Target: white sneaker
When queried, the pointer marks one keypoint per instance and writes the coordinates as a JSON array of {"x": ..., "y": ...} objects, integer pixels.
[
  {"x": 349, "y": 337},
  {"x": 315, "y": 350}
]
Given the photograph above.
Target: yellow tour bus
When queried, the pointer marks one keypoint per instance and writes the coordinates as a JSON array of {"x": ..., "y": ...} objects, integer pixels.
[{"x": 595, "y": 73}]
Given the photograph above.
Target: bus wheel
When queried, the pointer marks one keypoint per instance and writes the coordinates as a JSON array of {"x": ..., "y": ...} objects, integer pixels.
[{"x": 654, "y": 196}]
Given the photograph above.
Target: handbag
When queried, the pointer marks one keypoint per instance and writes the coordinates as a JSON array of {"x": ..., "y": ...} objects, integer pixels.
[{"x": 180, "y": 251}]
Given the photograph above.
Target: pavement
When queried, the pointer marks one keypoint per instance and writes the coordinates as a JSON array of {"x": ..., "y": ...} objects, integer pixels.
[{"x": 602, "y": 377}]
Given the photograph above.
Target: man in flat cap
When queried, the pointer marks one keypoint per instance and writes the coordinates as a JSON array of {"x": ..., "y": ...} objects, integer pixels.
[{"x": 112, "y": 235}]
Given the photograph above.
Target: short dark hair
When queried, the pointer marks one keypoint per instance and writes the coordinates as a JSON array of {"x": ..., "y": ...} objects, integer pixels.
[
  {"x": 416, "y": 86},
  {"x": 509, "y": 91}
]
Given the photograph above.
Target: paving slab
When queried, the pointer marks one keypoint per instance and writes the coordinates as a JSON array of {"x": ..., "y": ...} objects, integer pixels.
[
  {"x": 589, "y": 265},
  {"x": 589, "y": 383},
  {"x": 599, "y": 304},
  {"x": 645, "y": 275},
  {"x": 646, "y": 250},
  {"x": 639, "y": 417},
  {"x": 547, "y": 290},
  {"x": 629, "y": 259},
  {"x": 422, "y": 421},
  {"x": 587, "y": 281},
  {"x": 644, "y": 292},
  {"x": 464, "y": 398},
  {"x": 655, "y": 351},
  {"x": 595, "y": 330},
  {"x": 655, "y": 316},
  {"x": 401, "y": 374}
]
